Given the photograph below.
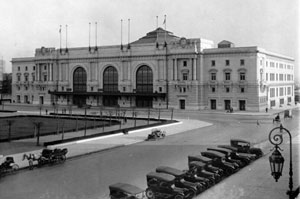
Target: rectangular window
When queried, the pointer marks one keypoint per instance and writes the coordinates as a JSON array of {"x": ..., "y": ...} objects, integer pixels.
[
  {"x": 280, "y": 77},
  {"x": 276, "y": 77},
  {"x": 242, "y": 90},
  {"x": 184, "y": 63},
  {"x": 160, "y": 89},
  {"x": 33, "y": 78},
  {"x": 19, "y": 78},
  {"x": 272, "y": 76},
  {"x": 45, "y": 77},
  {"x": 26, "y": 68},
  {"x": 213, "y": 76},
  {"x": 289, "y": 91},
  {"x": 242, "y": 76},
  {"x": 92, "y": 88},
  {"x": 213, "y": 62},
  {"x": 266, "y": 76},
  {"x": 213, "y": 89},
  {"x": 227, "y": 62},
  {"x": 242, "y": 62},
  {"x": 227, "y": 76},
  {"x": 281, "y": 92},
  {"x": 272, "y": 92},
  {"x": 45, "y": 67},
  {"x": 18, "y": 68},
  {"x": 184, "y": 76},
  {"x": 33, "y": 67},
  {"x": 62, "y": 88},
  {"x": 227, "y": 89},
  {"x": 26, "y": 78}
]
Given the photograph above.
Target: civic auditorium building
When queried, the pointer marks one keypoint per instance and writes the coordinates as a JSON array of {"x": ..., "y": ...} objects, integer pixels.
[{"x": 159, "y": 70}]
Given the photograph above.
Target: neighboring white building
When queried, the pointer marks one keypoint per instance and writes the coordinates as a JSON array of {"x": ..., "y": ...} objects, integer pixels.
[{"x": 184, "y": 74}]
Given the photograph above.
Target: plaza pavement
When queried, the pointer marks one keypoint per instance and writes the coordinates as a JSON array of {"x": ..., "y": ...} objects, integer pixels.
[{"x": 253, "y": 181}]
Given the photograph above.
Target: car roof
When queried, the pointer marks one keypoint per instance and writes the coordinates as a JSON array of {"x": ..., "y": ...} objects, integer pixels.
[
  {"x": 127, "y": 188},
  {"x": 197, "y": 163},
  {"x": 200, "y": 158},
  {"x": 169, "y": 170},
  {"x": 220, "y": 150},
  {"x": 161, "y": 176},
  {"x": 214, "y": 153},
  {"x": 239, "y": 140}
]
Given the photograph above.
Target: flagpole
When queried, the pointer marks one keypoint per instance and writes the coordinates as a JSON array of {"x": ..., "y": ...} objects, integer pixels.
[
  {"x": 128, "y": 47},
  {"x": 60, "y": 38},
  {"x": 66, "y": 38},
  {"x": 165, "y": 30},
  {"x": 89, "y": 36},
  {"x": 121, "y": 34},
  {"x": 157, "y": 45},
  {"x": 96, "y": 48}
]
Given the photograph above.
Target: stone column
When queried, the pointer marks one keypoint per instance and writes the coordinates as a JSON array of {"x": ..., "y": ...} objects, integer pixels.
[{"x": 176, "y": 70}]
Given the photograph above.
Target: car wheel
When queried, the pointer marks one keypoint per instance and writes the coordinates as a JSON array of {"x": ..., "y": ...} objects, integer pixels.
[
  {"x": 178, "y": 197},
  {"x": 150, "y": 193},
  {"x": 15, "y": 167}
]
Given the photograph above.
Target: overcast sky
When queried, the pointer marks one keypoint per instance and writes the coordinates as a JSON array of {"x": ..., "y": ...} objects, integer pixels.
[{"x": 29, "y": 24}]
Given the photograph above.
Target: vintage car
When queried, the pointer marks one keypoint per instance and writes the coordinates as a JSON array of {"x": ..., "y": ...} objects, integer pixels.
[
  {"x": 125, "y": 191},
  {"x": 219, "y": 161},
  {"x": 232, "y": 155},
  {"x": 162, "y": 185},
  {"x": 244, "y": 146},
  {"x": 234, "y": 149},
  {"x": 208, "y": 164},
  {"x": 156, "y": 134},
  {"x": 228, "y": 156},
  {"x": 198, "y": 168},
  {"x": 180, "y": 181}
]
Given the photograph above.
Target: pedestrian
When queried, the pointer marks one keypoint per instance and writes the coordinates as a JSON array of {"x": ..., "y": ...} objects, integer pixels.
[
  {"x": 46, "y": 112},
  {"x": 266, "y": 109},
  {"x": 257, "y": 123}
]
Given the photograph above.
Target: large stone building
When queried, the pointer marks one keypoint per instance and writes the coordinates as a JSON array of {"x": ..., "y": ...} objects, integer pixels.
[{"x": 159, "y": 70}]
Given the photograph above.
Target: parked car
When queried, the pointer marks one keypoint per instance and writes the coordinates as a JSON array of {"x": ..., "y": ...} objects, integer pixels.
[
  {"x": 8, "y": 166},
  {"x": 208, "y": 164},
  {"x": 180, "y": 180},
  {"x": 219, "y": 161},
  {"x": 228, "y": 156},
  {"x": 125, "y": 191},
  {"x": 233, "y": 155},
  {"x": 244, "y": 146},
  {"x": 162, "y": 185},
  {"x": 235, "y": 149},
  {"x": 156, "y": 134},
  {"x": 198, "y": 168}
]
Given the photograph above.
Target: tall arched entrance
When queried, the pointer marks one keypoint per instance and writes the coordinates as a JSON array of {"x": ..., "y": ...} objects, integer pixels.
[
  {"x": 110, "y": 85},
  {"x": 79, "y": 86},
  {"x": 144, "y": 84}
]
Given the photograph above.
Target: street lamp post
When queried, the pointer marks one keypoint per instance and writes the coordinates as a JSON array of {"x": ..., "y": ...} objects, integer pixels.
[{"x": 276, "y": 160}]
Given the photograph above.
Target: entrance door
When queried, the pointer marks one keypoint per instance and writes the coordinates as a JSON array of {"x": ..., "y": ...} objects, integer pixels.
[
  {"x": 242, "y": 105},
  {"x": 227, "y": 104},
  {"x": 41, "y": 99},
  {"x": 79, "y": 100},
  {"x": 25, "y": 99},
  {"x": 182, "y": 104},
  {"x": 213, "y": 104}
]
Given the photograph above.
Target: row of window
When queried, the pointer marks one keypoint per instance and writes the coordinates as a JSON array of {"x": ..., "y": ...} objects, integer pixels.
[
  {"x": 227, "y": 89},
  {"x": 280, "y": 91},
  {"x": 227, "y": 62},
  {"x": 26, "y": 68},
  {"x": 278, "y": 65},
  {"x": 227, "y": 76},
  {"x": 26, "y": 79},
  {"x": 280, "y": 77}
]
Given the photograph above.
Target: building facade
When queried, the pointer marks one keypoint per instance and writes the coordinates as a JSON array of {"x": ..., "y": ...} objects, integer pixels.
[{"x": 159, "y": 70}]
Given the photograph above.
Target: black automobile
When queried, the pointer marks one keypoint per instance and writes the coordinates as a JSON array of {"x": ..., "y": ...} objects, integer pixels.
[
  {"x": 198, "y": 168},
  {"x": 228, "y": 157},
  {"x": 162, "y": 185},
  {"x": 208, "y": 164},
  {"x": 219, "y": 161},
  {"x": 244, "y": 146},
  {"x": 125, "y": 191},
  {"x": 233, "y": 155},
  {"x": 180, "y": 181},
  {"x": 235, "y": 149}
]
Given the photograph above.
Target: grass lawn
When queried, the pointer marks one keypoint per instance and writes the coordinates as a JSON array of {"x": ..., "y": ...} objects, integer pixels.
[{"x": 24, "y": 126}]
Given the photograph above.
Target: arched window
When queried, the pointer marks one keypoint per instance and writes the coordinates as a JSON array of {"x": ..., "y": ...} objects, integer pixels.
[
  {"x": 144, "y": 80},
  {"x": 110, "y": 79},
  {"x": 144, "y": 84},
  {"x": 79, "y": 80}
]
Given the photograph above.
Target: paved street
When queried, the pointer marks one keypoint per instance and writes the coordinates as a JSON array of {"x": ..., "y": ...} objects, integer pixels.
[{"x": 89, "y": 176}]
